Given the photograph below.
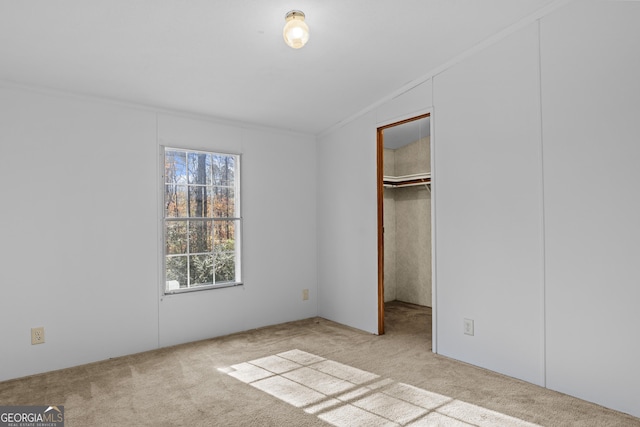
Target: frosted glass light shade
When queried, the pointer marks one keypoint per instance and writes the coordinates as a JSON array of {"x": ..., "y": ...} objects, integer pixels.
[{"x": 296, "y": 31}]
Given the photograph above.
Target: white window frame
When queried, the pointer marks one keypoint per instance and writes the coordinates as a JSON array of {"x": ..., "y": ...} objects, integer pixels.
[{"x": 168, "y": 287}]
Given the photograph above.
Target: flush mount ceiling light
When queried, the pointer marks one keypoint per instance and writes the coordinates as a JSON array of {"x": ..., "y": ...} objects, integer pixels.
[{"x": 296, "y": 31}]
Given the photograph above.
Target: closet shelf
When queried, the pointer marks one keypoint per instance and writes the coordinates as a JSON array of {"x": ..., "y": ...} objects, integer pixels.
[{"x": 407, "y": 180}]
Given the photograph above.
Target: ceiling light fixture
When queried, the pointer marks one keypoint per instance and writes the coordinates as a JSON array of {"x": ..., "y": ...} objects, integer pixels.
[{"x": 296, "y": 31}]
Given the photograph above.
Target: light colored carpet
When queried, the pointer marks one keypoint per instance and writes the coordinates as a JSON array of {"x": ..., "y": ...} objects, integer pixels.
[
  {"x": 345, "y": 396},
  {"x": 306, "y": 373}
]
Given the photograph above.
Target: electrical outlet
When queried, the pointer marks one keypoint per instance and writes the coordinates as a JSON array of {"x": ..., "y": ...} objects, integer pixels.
[
  {"x": 468, "y": 327},
  {"x": 305, "y": 294},
  {"x": 37, "y": 335}
]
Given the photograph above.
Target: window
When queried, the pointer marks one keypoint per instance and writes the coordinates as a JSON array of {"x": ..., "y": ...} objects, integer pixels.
[{"x": 202, "y": 220}]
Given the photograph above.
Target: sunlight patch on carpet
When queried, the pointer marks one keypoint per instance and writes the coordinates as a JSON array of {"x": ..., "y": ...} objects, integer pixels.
[{"x": 345, "y": 396}]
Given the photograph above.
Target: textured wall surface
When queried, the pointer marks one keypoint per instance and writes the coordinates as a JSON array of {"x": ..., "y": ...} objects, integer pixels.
[
  {"x": 390, "y": 289},
  {"x": 413, "y": 245},
  {"x": 413, "y": 158},
  {"x": 407, "y": 222}
]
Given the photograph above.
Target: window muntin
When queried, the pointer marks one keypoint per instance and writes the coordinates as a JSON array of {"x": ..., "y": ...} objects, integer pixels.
[{"x": 202, "y": 220}]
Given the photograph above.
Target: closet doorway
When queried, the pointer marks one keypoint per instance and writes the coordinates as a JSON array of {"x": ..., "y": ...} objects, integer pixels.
[{"x": 404, "y": 214}]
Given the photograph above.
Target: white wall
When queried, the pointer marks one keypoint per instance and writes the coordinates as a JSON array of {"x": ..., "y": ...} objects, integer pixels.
[
  {"x": 80, "y": 231},
  {"x": 536, "y": 214},
  {"x": 279, "y": 233},
  {"x": 591, "y": 106},
  {"x": 567, "y": 320},
  {"x": 79, "y": 240},
  {"x": 347, "y": 226},
  {"x": 347, "y": 212},
  {"x": 489, "y": 207}
]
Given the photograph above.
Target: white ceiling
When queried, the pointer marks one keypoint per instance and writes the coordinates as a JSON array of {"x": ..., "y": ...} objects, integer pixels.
[{"x": 226, "y": 58}]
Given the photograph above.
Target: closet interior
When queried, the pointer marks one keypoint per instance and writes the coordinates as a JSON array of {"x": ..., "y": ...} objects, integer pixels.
[{"x": 407, "y": 212}]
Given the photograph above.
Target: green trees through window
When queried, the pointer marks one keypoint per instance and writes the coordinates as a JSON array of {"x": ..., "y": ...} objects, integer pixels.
[{"x": 201, "y": 219}]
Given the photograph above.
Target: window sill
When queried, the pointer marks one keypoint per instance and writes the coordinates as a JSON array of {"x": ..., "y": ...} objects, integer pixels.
[{"x": 202, "y": 288}]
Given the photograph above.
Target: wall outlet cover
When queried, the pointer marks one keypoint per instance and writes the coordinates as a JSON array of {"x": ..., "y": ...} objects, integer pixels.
[
  {"x": 37, "y": 335},
  {"x": 468, "y": 327}
]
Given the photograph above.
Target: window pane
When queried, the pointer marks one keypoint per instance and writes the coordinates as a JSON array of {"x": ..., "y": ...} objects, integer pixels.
[
  {"x": 175, "y": 167},
  {"x": 224, "y": 205},
  {"x": 200, "y": 236},
  {"x": 175, "y": 200},
  {"x": 200, "y": 168},
  {"x": 176, "y": 271},
  {"x": 225, "y": 266},
  {"x": 224, "y": 235},
  {"x": 200, "y": 201},
  {"x": 176, "y": 237},
  {"x": 201, "y": 269},
  {"x": 223, "y": 169},
  {"x": 225, "y": 250}
]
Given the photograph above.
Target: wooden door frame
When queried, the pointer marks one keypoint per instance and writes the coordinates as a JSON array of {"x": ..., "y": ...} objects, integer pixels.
[{"x": 380, "y": 167}]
